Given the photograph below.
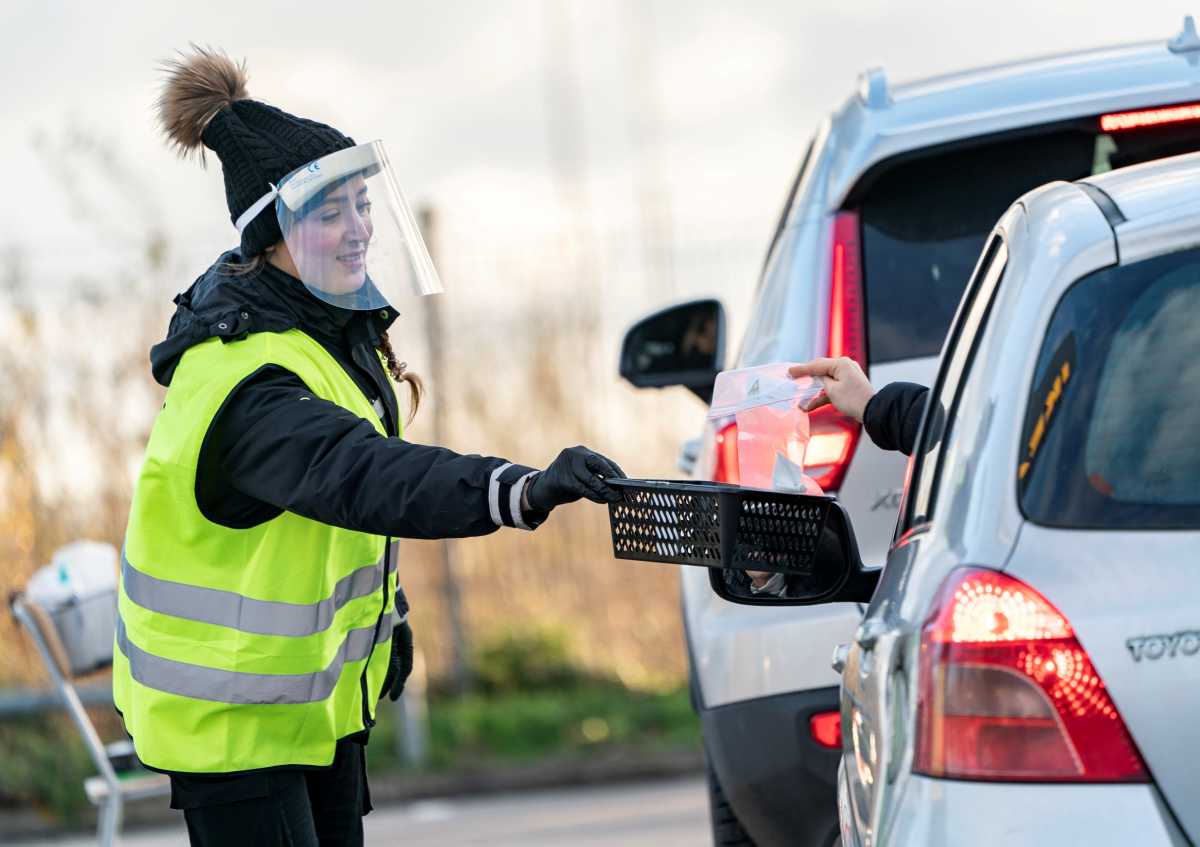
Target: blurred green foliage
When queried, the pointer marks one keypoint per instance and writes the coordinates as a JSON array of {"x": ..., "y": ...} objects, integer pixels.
[
  {"x": 532, "y": 701},
  {"x": 524, "y": 726},
  {"x": 43, "y": 764},
  {"x": 532, "y": 660}
]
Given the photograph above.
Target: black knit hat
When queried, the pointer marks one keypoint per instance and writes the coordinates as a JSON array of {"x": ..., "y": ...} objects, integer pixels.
[{"x": 204, "y": 102}]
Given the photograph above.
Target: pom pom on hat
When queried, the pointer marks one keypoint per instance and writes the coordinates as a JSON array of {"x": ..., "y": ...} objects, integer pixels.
[
  {"x": 198, "y": 87},
  {"x": 204, "y": 104}
]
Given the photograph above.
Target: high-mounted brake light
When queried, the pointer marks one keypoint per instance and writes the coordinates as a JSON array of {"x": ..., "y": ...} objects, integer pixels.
[
  {"x": 1118, "y": 121},
  {"x": 1007, "y": 693}
]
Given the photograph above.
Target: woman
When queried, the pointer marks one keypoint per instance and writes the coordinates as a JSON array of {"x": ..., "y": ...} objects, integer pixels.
[{"x": 258, "y": 580}]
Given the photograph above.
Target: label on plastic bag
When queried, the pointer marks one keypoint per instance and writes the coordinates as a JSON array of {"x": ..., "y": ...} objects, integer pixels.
[{"x": 765, "y": 385}]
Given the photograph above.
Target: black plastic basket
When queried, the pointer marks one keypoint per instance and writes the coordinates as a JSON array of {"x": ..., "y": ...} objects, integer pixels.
[{"x": 717, "y": 525}]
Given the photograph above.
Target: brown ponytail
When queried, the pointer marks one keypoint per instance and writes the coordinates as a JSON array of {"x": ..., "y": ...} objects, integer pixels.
[{"x": 400, "y": 373}]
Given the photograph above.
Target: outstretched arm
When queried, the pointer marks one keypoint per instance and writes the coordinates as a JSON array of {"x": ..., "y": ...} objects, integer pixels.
[
  {"x": 890, "y": 416},
  {"x": 275, "y": 446}
]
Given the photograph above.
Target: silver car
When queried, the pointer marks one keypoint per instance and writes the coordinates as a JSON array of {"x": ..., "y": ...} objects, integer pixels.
[
  {"x": 1026, "y": 671},
  {"x": 887, "y": 216}
]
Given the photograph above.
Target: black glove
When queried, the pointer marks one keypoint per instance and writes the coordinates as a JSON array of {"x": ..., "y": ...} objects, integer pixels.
[
  {"x": 576, "y": 473},
  {"x": 401, "y": 663}
]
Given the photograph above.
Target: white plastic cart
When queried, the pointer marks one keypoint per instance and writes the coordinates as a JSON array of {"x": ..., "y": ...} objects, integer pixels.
[{"x": 69, "y": 609}]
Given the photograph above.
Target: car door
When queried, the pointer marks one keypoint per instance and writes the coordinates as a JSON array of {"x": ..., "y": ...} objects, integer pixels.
[{"x": 876, "y": 680}]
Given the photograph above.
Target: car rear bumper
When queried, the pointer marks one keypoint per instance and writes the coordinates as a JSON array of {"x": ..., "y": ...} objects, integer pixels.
[
  {"x": 948, "y": 813},
  {"x": 779, "y": 781}
]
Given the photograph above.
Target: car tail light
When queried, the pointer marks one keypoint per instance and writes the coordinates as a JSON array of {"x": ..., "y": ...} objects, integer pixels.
[
  {"x": 847, "y": 328},
  {"x": 826, "y": 729},
  {"x": 725, "y": 468},
  {"x": 1118, "y": 121},
  {"x": 1007, "y": 693},
  {"x": 835, "y": 436},
  {"x": 832, "y": 440}
]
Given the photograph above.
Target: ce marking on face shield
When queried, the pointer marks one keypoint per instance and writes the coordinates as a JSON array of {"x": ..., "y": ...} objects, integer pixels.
[{"x": 1155, "y": 647}]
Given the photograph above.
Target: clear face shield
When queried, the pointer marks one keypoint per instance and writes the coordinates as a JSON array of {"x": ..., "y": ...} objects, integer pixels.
[{"x": 351, "y": 235}]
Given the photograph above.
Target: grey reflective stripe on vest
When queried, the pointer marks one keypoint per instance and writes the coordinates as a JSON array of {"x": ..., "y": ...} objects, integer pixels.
[
  {"x": 227, "y": 608},
  {"x": 202, "y": 683}
]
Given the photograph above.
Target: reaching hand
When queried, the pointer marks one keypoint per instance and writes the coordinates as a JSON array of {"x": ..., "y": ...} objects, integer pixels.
[
  {"x": 576, "y": 473},
  {"x": 844, "y": 385}
]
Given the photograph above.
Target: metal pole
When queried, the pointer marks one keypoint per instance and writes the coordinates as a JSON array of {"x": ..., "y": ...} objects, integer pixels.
[
  {"x": 434, "y": 334},
  {"x": 411, "y": 738}
]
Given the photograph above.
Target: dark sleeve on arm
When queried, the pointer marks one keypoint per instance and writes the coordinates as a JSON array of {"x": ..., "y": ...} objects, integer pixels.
[
  {"x": 276, "y": 442},
  {"x": 893, "y": 416}
]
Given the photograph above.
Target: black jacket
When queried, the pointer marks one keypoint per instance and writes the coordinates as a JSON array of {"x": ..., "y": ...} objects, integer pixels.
[
  {"x": 893, "y": 416},
  {"x": 266, "y": 453}
]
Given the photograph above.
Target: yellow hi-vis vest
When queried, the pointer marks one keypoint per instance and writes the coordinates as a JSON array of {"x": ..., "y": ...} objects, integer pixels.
[{"x": 239, "y": 649}]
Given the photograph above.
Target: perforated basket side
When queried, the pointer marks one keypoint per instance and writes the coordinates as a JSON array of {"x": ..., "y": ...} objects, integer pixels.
[
  {"x": 778, "y": 532},
  {"x": 662, "y": 524}
]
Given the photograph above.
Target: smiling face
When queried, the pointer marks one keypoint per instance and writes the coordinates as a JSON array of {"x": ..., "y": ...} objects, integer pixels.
[{"x": 329, "y": 239}]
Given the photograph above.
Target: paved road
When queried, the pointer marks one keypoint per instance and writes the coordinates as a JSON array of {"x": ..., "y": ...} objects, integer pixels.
[{"x": 657, "y": 814}]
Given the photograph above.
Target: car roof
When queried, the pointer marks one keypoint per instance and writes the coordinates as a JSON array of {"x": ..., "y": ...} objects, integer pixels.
[
  {"x": 881, "y": 121},
  {"x": 1140, "y": 191}
]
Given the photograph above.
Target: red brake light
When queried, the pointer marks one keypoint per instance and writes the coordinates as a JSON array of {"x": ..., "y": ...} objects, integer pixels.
[
  {"x": 847, "y": 329},
  {"x": 834, "y": 436},
  {"x": 725, "y": 469},
  {"x": 826, "y": 729},
  {"x": 831, "y": 444},
  {"x": 1007, "y": 692},
  {"x": 1149, "y": 117}
]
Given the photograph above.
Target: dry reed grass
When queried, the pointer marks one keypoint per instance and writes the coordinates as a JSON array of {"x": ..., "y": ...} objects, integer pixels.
[{"x": 553, "y": 391}]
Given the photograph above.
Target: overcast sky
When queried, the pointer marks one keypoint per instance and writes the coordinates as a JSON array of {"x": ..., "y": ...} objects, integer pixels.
[
  {"x": 496, "y": 112},
  {"x": 659, "y": 127}
]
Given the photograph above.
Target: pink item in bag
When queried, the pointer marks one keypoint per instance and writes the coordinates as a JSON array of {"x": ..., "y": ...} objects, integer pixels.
[{"x": 773, "y": 432}]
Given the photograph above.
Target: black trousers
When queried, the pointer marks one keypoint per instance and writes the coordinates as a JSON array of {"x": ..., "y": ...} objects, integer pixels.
[{"x": 282, "y": 808}]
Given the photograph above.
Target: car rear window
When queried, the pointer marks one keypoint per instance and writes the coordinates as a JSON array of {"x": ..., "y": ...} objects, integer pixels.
[
  {"x": 1110, "y": 436},
  {"x": 925, "y": 220}
]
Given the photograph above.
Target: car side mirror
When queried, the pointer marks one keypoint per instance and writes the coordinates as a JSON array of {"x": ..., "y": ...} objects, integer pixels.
[
  {"x": 836, "y": 573},
  {"x": 682, "y": 345}
]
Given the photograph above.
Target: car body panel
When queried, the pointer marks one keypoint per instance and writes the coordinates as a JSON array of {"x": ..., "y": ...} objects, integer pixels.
[
  {"x": 1131, "y": 598},
  {"x": 745, "y": 657},
  {"x": 1159, "y": 203},
  {"x": 761, "y": 740},
  {"x": 950, "y": 813},
  {"x": 1147, "y": 191}
]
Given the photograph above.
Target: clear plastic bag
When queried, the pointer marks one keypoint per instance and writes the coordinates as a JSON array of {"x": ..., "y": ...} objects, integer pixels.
[{"x": 773, "y": 431}]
